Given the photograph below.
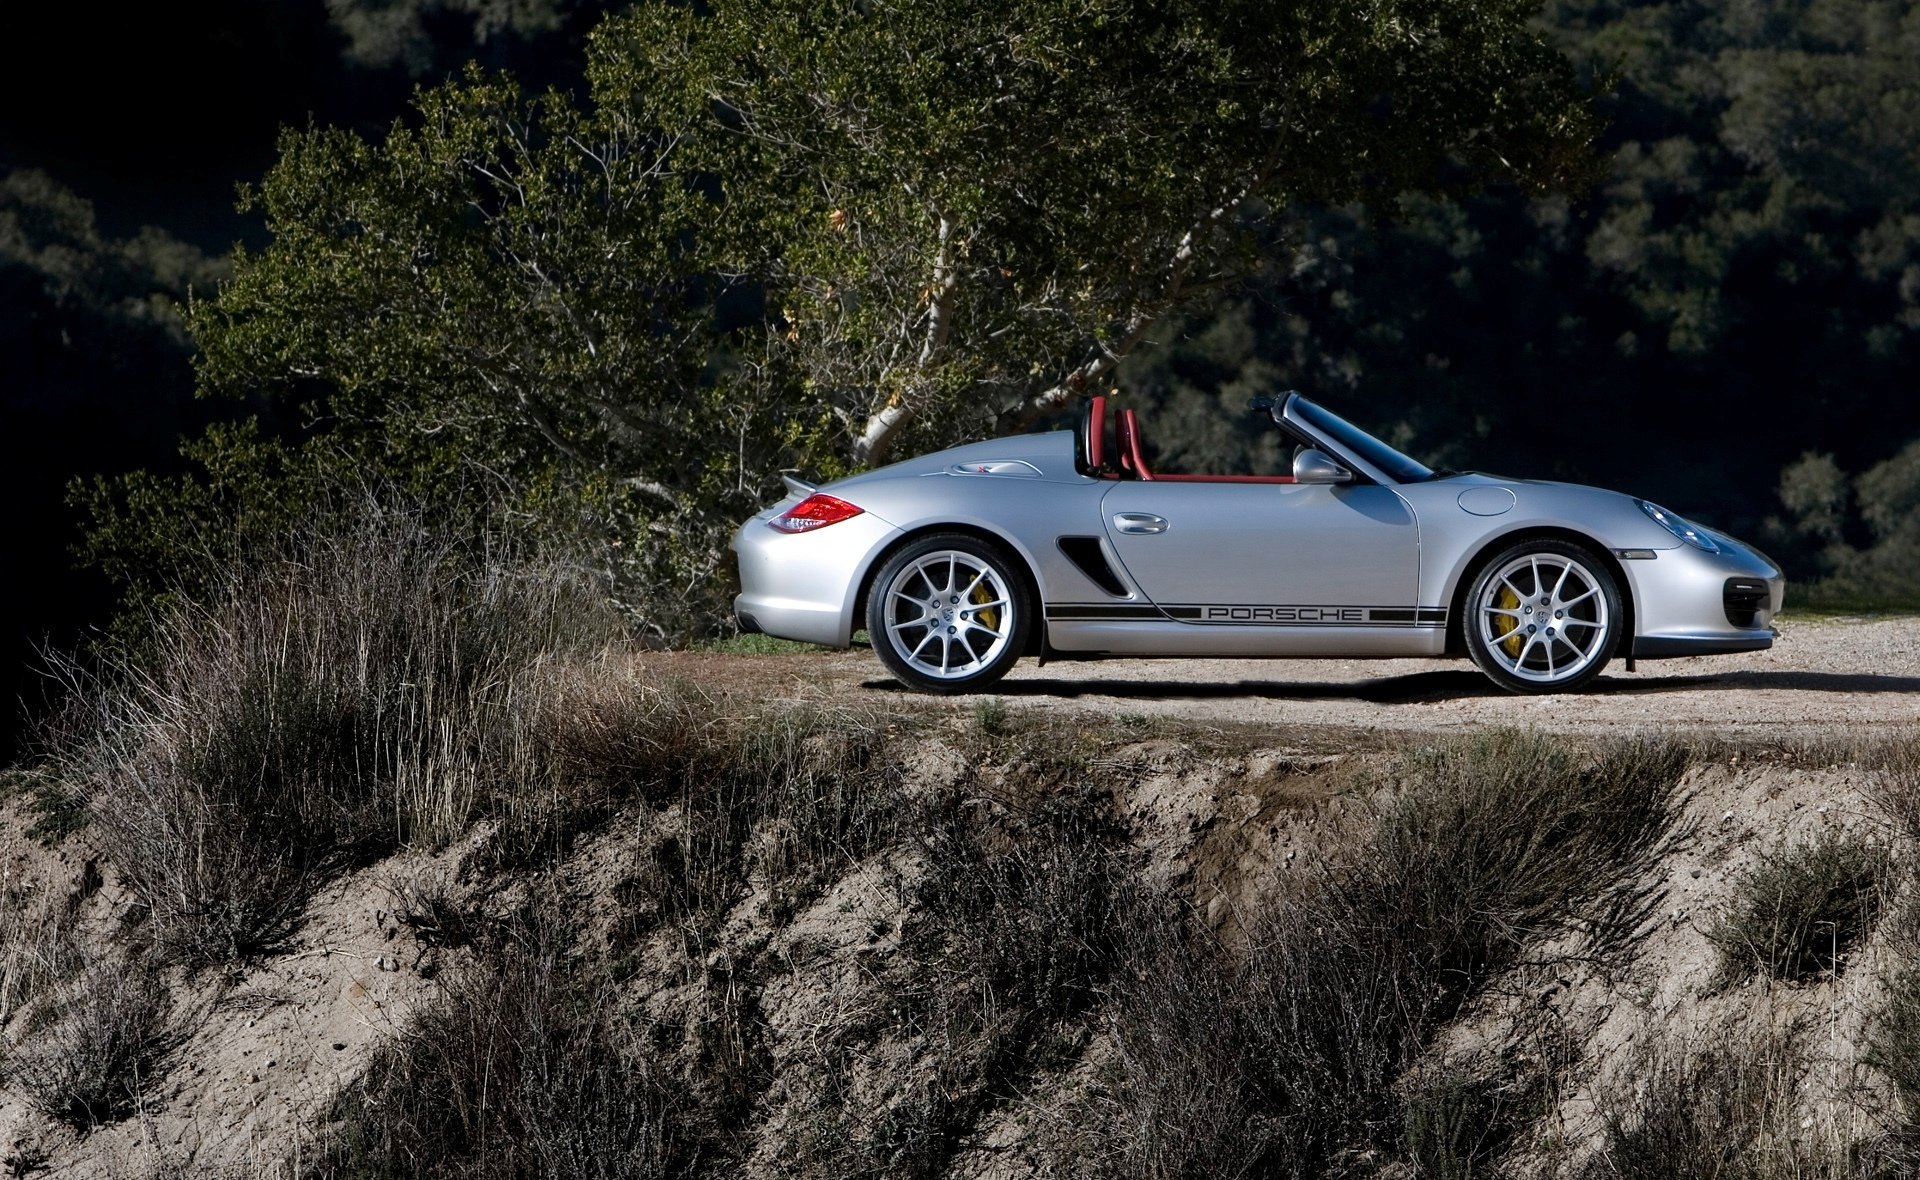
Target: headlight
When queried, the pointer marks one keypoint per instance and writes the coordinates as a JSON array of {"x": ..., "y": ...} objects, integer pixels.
[{"x": 1679, "y": 526}]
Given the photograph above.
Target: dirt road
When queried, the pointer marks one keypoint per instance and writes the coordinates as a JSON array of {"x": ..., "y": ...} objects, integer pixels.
[{"x": 1822, "y": 678}]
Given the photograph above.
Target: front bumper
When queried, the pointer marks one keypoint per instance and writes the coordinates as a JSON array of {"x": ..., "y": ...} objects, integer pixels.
[
  {"x": 1681, "y": 601},
  {"x": 805, "y": 586}
]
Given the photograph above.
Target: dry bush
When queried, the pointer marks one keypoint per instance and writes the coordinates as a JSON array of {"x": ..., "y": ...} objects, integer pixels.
[
  {"x": 1724, "y": 1108},
  {"x": 1894, "y": 780},
  {"x": 1802, "y": 907},
  {"x": 780, "y": 799},
  {"x": 1459, "y": 1114},
  {"x": 1893, "y": 1048},
  {"x": 93, "y": 1048},
  {"x": 38, "y": 946},
  {"x": 1277, "y": 1061},
  {"x": 324, "y": 706},
  {"x": 1010, "y": 936},
  {"x": 431, "y": 903},
  {"x": 1015, "y": 931},
  {"x": 521, "y": 1067}
]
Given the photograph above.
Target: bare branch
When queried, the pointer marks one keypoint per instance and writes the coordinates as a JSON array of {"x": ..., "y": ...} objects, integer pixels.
[{"x": 884, "y": 423}]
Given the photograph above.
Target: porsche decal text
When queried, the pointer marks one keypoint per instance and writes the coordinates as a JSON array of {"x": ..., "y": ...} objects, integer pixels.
[{"x": 1284, "y": 614}]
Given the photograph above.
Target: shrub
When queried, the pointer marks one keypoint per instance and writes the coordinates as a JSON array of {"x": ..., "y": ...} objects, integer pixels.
[
  {"x": 1271, "y": 1064},
  {"x": 522, "y": 1067},
  {"x": 1013, "y": 932},
  {"x": 1725, "y": 1109},
  {"x": 1458, "y": 1117},
  {"x": 1894, "y": 781},
  {"x": 99, "y": 1043},
  {"x": 783, "y": 797},
  {"x": 1893, "y": 1046},
  {"x": 350, "y": 695},
  {"x": 37, "y": 944},
  {"x": 1801, "y": 908}
]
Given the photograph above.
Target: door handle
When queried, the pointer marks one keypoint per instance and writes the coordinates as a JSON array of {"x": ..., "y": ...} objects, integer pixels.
[{"x": 1139, "y": 522}]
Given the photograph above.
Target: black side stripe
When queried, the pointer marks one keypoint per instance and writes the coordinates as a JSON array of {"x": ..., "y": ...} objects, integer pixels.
[
  {"x": 1254, "y": 615},
  {"x": 1087, "y": 612}
]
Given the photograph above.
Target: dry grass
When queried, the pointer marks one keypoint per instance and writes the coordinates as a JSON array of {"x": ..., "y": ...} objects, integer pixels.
[
  {"x": 1278, "y": 1060},
  {"x": 1726, "y": 1108},
  {"x": 1893, "y": 1049},
  {"x": 1016, "y": 928},
  {"x": 383, "y": 691},
  {"x": 1894, "y": 782},
  {"x": 94, "y": 1047},
  {"x": 523, "y": 1067},
  {"x": 38, "y": 947},
  {"x": 324, "y": 708}
]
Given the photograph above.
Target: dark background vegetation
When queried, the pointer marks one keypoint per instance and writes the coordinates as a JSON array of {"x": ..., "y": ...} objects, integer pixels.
[{"x": 1742, "y": 289}]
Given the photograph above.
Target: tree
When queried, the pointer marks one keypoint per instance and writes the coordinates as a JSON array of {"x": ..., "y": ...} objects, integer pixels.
[
  {"x": 497, "y": 309},
  {"x": 969, "y": 212},
  {"x": 1741, "y": 288},
  {"x": 798, "y": 232}
]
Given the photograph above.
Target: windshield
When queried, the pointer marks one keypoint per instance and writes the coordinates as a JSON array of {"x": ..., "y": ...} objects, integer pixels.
[{"x": 1348, "y": 437}]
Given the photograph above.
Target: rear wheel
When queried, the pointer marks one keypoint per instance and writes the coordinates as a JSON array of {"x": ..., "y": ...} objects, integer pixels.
[
  {"x": 1543, "y": 616},
  {"x": 949, "y": 613}
]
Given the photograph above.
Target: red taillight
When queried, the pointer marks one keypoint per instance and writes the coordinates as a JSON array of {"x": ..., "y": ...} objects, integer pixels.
[{"x": 815, "y": 512}]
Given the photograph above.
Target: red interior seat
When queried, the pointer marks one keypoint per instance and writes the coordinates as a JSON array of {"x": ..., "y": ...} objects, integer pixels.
[{"x": 1096, "y": 441}]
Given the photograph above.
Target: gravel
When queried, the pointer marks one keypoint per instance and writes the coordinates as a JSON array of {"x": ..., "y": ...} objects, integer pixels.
[{"x": 1821, "y": 679}]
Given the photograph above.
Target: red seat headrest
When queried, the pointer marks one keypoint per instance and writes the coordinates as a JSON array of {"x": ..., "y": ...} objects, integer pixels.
[{"x": 1132, "y": 458}]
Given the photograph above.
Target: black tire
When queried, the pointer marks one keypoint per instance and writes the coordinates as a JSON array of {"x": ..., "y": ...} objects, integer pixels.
[
  {"x": 915, "y": 601},
  {"x": 1555, "y": 599}
]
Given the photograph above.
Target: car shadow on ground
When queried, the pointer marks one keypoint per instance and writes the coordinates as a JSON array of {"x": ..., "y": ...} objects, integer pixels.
[{"x": 1418, "y": 687}]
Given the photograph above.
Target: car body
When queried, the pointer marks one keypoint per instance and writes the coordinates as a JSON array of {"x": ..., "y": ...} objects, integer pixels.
[{"x": 1360, "y": 552}]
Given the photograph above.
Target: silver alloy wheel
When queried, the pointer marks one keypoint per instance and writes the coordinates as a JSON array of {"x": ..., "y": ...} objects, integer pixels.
[
  {"x": 949, "y": 614},
  {"x": 1544, "y": 617}
]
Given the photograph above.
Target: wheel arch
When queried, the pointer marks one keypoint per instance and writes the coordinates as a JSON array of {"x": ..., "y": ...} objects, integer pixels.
[
  {"x": 1023, "y": 566},
  {"x": 1470, "y": 570}
]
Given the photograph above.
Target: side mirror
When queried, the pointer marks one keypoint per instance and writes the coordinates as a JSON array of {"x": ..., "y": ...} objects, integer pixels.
[{"x": 1313, "y": 466}]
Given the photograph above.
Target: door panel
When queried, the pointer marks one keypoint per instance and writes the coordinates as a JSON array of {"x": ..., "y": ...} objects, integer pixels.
[{"x": 1276, "y": 554}]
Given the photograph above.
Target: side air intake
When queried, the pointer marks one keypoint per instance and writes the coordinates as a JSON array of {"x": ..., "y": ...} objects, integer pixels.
[{"x": 1090, "y": 559}]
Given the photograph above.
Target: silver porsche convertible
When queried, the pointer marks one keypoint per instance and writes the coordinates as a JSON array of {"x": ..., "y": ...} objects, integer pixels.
[{"x": 1068, "y": 544}]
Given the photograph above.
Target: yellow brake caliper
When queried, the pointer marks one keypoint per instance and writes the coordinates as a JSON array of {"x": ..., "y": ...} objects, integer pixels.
[
  {"x": 1507, "y": 627},
  {"x": 989, "y": 618}
]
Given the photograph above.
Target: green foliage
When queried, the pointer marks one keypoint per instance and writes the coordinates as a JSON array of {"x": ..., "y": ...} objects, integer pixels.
[
  {"x": 496, "y": 310},
  {"x": 1749, "y": 266},
  {"x": 1881, "y": 506},
  {"x": 51, "y": 236},
  {"x": 411, "y": 33},
  {"x": 794, "y": 235}
]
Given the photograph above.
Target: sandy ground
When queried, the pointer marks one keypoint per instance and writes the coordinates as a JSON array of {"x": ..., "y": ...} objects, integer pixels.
[{"x": 1821, "y": 679}]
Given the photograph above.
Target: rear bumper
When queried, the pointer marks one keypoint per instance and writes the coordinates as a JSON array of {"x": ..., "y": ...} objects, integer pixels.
[{"x": 805, "y": 586}]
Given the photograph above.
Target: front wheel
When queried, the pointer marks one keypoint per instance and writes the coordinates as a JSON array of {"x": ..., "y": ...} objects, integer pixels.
[
  {"x": 948, "y": 613},
  {"x": 1544, "y": 616}
]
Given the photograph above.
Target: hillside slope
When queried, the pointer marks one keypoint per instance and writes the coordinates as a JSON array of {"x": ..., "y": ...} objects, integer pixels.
[{"x": 751, "y": 937}]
